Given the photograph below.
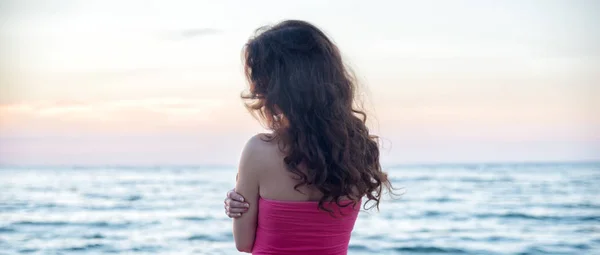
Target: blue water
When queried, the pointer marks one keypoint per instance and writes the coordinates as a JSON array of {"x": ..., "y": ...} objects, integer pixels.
[{"x": 445, "y": 209}]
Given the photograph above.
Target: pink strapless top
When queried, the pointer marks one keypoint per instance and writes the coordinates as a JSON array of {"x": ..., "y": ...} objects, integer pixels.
[{"x": 300, "y": 228}]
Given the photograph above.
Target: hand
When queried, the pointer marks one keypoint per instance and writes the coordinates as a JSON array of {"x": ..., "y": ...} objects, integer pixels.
[{"x": 234, "y": 204}]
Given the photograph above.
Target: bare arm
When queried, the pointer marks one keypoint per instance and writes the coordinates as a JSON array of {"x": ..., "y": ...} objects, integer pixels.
[{"x": 244, "y": 227}]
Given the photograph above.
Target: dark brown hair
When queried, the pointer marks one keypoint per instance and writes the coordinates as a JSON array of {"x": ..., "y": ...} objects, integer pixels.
[{"x": 301, "y": 89}]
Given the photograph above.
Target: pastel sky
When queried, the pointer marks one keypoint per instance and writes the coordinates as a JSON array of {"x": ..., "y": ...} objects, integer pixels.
[{"x": 158, "y": 82}]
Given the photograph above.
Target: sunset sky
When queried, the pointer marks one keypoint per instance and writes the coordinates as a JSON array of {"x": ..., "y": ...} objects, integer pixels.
[{"x": 158, "y": 82}]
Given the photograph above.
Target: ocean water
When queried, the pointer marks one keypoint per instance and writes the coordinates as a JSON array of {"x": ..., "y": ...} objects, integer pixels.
[{"x": 445, "y": 209}]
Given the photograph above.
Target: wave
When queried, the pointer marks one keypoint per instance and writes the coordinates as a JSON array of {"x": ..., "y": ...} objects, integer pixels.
[
  {"x": 200, "y": 237},
  {"x": 94, "y": 195},
  {"x": 429, "y": 249},
  {"x": 108, "y": 197},
  {"x": 443, "y": 200},
  {"x": 358, "y": 247},
  {"x": 590, "y": 218},
  {"x": 487, "y": 180},
  {"x": 502, "y": 239},
  {"x": 524, "y": 216},
  {"x": 133, "y": 198},
  {"x": 94, "y": 236},
  {"x": 572, "y": 206},
  {"x": 492, "y": 239},
  {"x": 587, "y": 230},
  {"x": 375, "y": 237},
  {"x": 14, "y": 206},
  {"x": 126, "y": 207},
  {"x": 101, "y": 224},
  {"x": 7, "y": 230},
  {"x": 111, "y": 208},
  {"x": 147, "y": 248},
  {"x": 42, "y": 223},
  {"x": 85, "y": 247},
  {"x": 26, "y": 251},
  {"x": 434, "y": 213},
  {"x": 580, "y": 246},
  {"x": 194, "y": 218},
  {"x": 536, "y": 250},
  {"x": 211, "y": 238}
]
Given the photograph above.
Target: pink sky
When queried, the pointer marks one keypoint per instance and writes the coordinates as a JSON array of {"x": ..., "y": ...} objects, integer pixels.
[{"x": 160, "y": 84}]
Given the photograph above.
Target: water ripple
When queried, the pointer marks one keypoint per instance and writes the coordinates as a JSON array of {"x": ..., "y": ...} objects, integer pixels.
[
  {"x": 429, "y": 250},
  {"x": 485, "y": 209}
]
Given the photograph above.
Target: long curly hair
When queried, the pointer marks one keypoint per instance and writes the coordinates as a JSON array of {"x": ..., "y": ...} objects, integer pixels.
[{"x": 302, "y": 91}]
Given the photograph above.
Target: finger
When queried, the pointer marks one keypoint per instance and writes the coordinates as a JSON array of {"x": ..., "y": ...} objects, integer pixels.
[
  {"x": 237, "y": 210},
  {"x": 228, "y": 201},
  {"x": 234, "y": 215},
  {"x": 238, "y": 204},
  {"x": 235, "y": 196}
]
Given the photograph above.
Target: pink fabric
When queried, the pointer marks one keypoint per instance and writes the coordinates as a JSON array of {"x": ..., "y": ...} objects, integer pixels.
[{"x": 300, "y": 228}]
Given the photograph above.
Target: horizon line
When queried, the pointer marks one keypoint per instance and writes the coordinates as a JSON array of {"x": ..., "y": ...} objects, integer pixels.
[{"x": 394, "y": 165}]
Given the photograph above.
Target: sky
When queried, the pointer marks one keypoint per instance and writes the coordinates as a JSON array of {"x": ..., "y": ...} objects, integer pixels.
[{"x": 158, "y": 82}]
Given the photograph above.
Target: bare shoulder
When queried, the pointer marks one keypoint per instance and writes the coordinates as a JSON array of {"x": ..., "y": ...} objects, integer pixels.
[
  {"x": 260, "y": 143},
  {"x": 259, "y": 153}
]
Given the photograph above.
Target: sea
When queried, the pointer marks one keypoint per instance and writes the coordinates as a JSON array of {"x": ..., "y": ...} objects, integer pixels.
[{"x": 516, "y": 208}]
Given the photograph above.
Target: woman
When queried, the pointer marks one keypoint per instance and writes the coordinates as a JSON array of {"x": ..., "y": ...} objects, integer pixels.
[{"x": 303, "y": 183}]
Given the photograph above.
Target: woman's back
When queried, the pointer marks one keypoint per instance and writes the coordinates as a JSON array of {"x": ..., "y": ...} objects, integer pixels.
[
  {"x": 289, "y": 220},
  {"x": 276, "y": 182}
]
